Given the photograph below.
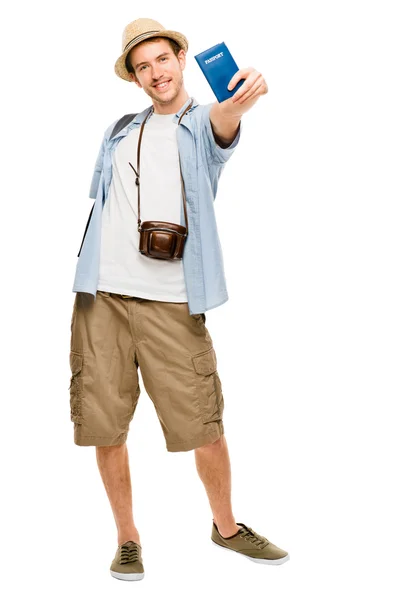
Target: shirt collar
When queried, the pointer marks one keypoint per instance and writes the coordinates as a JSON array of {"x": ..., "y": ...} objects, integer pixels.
[{"x": 138, "y": 120}]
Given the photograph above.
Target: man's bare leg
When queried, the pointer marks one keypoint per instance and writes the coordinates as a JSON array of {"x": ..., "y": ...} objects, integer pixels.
[
  {"x": 213, "y": 467},
  {"x": 113, "y": 463}
]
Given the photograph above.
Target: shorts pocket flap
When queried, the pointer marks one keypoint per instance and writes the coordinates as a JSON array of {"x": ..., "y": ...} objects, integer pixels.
[
  {"x": 76, "y": 362},
  {"x": 206, "y": 362}
]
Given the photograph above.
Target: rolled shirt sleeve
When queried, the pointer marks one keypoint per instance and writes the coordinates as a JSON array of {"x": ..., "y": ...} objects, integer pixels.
[{"x": 218, "y": 155}]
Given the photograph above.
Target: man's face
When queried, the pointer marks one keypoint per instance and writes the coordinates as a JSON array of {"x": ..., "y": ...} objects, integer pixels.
[{"x": 157, "y": 70}]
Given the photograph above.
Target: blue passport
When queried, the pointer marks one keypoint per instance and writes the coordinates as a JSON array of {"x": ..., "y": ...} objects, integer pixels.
[{"x": 219, "y": 67}]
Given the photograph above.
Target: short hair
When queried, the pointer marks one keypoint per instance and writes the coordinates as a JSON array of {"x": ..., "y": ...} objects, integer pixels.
[{"x": 174, "y": 46}]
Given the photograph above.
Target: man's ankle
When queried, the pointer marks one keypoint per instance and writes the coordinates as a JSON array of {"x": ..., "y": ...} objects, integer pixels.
[
  {"x": 129, "y": 536},
  {"x": 227, "y": 529}
]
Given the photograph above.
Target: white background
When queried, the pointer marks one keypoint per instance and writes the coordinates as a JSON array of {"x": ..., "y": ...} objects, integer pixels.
[{"x": 307, "y": 346}]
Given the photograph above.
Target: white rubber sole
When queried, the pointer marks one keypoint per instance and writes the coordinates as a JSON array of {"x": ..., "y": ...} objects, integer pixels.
[
  {"x": 127, "y": 576},
  {"x": 262, "y": 561}
]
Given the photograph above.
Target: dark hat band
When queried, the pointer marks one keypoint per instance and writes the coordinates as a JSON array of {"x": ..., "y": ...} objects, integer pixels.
[{"x": 139, "y": 37}]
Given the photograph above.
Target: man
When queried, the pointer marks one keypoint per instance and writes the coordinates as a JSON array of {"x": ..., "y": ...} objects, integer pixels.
[{"x": 132, "y": 310}]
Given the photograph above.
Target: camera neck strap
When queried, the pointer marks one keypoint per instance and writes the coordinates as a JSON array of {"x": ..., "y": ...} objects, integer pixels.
[{"x": 137, "y": 170}]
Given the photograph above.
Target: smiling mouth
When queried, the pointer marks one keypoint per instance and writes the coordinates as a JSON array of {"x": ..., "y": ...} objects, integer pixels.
[{"x": 162, "y": 86}]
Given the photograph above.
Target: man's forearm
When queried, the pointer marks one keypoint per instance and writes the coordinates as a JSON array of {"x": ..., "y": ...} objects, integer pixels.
[{"x": 225, "y": 126}]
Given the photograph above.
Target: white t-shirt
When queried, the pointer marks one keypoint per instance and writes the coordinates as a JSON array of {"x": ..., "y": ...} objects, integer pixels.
[{"x": 123, "y": 270}]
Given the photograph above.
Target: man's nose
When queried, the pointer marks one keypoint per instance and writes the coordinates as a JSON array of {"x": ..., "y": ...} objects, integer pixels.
[{"x": 157, "y": 72}]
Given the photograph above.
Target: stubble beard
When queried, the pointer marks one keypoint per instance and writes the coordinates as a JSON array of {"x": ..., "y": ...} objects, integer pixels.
[{"x": 171, "y": 99}]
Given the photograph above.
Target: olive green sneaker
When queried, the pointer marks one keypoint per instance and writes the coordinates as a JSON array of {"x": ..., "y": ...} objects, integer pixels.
[
  {"x": 252, "y": 545},
  {"x": 127, "y": 563}
]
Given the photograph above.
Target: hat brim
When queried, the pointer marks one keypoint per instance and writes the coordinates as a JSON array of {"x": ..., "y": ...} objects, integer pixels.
[{"x": 120, "y": 68}]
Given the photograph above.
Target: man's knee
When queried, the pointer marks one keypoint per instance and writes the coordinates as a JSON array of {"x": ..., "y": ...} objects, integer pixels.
[
  {"x": 110, "y": 449},
  {"x": 213, "y": 446}
]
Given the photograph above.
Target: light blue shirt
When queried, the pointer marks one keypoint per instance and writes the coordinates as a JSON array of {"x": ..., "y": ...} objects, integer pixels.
[{"x": 202, "y": 162}]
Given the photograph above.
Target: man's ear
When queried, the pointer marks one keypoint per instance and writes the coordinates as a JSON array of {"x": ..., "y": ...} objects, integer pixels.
[
  {"x": 182, "y": 58},
  {"x": 133, "y": 78}
]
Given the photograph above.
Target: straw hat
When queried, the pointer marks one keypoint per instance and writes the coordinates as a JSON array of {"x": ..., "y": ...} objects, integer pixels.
[{"x": 138, "y": 31}]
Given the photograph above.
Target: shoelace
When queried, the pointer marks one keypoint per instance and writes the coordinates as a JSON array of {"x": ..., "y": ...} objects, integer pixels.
[
  {"x": 129, "y": 553},
  {"x": 253, "y": 537}
]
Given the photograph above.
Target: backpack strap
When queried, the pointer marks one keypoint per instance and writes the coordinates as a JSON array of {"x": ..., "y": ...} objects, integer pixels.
[{"x": 121, "y": 123}]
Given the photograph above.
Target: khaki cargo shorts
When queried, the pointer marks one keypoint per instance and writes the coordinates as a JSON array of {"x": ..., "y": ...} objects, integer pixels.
[{"x": 113, "y": 335}]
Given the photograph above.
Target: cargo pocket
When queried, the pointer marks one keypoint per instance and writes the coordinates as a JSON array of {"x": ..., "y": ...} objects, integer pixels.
[
  {"x": 208, "y": 386},
  {"x": 76, "y": 364}
]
